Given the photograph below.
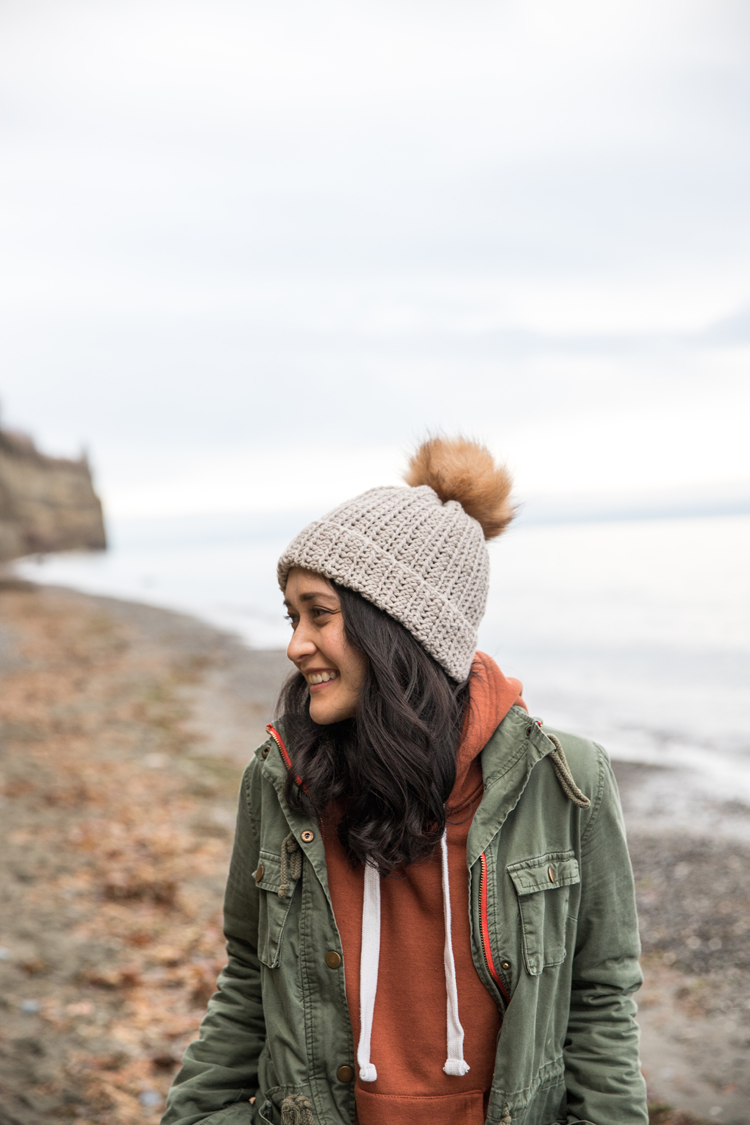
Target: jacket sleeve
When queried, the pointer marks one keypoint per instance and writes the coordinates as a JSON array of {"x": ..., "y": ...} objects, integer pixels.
[
  {"x": 602, "y": 1064},
  {"x": 220, "y": 1068}
]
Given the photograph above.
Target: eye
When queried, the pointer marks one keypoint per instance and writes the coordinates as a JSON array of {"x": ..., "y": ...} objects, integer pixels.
[{"x": 288, "y": 617}]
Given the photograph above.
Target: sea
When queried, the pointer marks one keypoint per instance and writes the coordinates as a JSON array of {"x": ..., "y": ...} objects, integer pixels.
[{"x": 634, "y": 632}]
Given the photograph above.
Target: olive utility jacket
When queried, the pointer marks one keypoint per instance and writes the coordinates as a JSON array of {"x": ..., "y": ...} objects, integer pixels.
[{"x": 554, "y": 939}]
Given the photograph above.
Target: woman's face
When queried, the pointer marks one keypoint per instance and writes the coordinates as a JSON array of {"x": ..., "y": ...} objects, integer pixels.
[{"x": 333, "y": 669}]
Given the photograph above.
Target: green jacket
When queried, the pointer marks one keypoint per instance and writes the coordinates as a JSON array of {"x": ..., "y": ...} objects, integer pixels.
[{"x": 554, "y": 938}]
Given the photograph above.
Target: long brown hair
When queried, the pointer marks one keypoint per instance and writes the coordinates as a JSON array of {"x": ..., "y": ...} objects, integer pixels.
[{"x": 392, "y": 767}]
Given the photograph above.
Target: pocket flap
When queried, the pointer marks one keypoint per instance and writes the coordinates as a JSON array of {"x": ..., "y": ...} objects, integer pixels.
[
  {"x": 544, "y": 872},
  {"x": 273, "y": 906},
  {"x": 269, "y": 870}
]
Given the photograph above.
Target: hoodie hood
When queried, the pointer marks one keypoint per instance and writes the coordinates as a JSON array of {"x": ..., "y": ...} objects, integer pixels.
[{"x": 491, "y": 696}]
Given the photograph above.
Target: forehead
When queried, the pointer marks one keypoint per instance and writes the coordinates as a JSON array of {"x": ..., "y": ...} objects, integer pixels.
[{"x": 302, "y": 585}]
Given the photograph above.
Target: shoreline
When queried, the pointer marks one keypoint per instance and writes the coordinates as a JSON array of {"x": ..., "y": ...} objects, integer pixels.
[
  {"x": 637, "y": 712},
  {"x": 195, "y": 701}
]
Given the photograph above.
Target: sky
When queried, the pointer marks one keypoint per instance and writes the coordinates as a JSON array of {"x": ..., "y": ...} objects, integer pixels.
[{"x": 253, "y": 251}]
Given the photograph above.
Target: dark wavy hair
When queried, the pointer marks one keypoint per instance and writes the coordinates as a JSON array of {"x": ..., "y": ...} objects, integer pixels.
[{"x": 388, "y": 771}]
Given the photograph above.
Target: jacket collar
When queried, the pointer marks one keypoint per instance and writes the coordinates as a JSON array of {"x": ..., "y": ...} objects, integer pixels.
[
  {"x": 274, "y": 768},
  {"x": 507, "y": 761}
]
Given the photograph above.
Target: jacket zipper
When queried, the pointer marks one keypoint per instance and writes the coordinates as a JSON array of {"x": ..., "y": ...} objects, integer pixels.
[
  {"x": 284, "y": 752},
  {"x": 485, "y": 927}
]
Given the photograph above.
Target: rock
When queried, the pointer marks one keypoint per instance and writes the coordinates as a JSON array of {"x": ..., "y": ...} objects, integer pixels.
[{"x": 46, "y": 503}]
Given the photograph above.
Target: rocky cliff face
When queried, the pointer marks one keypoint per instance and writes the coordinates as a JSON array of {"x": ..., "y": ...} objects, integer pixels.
[{"x": 46, "y": 503}]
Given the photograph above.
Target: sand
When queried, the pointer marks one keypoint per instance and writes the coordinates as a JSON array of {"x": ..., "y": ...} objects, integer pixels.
[{"x": 123, "y": 733}]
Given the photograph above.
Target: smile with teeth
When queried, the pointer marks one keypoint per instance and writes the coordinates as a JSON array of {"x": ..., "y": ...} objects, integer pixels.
[{"x": 320, "y": 677}]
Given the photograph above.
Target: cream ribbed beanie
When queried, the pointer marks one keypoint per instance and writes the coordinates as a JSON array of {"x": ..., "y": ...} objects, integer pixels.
[{"x": 418, "y": 552}]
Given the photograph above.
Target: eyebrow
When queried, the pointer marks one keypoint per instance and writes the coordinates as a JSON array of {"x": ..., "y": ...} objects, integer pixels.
[{"x": 310, "y": 597}]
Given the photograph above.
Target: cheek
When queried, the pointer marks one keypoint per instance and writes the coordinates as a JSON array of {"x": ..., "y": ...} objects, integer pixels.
[
  {"x": 350, "y": 662},
  {"x": 356, "y": 670}
]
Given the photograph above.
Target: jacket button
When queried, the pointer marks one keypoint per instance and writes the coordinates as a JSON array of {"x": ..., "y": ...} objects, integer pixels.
[
  {"x": 333, "y": 960},
  {"x": 259, "y": 873},
  {"x": 307, "y": 836},
  {"x": 551, "y": 874},
  {"x": 345, "y": 1073},
  {"x": 505, "y": 964}
]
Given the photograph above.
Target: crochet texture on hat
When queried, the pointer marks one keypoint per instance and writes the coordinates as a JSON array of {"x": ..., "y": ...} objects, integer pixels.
[{"x": 416, "y": 552}]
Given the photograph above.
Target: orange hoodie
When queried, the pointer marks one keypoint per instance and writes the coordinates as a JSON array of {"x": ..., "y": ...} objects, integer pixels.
[{"x": 408, "y": 1036}]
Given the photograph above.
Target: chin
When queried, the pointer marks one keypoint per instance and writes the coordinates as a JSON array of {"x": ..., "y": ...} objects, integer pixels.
[
  {"x": 326, "y": 712},
  {"x": 322, "y": 716}
]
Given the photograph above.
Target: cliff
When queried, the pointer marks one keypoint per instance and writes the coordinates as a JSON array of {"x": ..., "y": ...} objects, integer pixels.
[{"x": 46, "y": 503}]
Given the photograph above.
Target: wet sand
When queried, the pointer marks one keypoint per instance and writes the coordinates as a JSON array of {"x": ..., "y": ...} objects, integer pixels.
[{"x": 123, "y": 733}]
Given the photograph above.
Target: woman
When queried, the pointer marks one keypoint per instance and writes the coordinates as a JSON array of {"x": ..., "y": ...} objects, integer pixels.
[{"x": 429, "y": 914}]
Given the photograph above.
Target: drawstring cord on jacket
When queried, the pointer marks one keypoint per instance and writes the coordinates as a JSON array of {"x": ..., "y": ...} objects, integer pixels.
[
  {"x": 564, "y": 776},
  {"x": 297, "y": 1110},
  {"x": 455, "y": 1064},
  {"x": 291, "y": 863}
]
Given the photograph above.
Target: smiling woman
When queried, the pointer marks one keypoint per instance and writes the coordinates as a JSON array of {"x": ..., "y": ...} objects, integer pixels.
[
  {"x": 333, "y": 670},
  {"x": 418, "y": 868}
]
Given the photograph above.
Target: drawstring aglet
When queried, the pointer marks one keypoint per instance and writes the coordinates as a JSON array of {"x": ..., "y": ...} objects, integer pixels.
[{"x": 456, "y": 1067}]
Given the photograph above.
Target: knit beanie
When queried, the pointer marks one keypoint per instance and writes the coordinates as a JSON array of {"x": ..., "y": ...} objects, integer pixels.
[{"x": 418, "y": 552}]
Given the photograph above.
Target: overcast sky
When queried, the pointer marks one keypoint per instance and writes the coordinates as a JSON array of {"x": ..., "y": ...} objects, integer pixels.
[{"x": 252, "y": 250}]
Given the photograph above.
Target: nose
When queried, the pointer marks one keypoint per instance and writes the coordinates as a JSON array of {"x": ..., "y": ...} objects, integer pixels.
[{"x": 301, "y": 644}]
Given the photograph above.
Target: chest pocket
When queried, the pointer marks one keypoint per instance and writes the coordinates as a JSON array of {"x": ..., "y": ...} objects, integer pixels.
[
  {"x": 275, "y": 880},
  {"x": 543, "y": 888}
]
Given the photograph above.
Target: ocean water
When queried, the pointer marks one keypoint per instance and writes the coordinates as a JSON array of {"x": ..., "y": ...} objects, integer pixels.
[{"x": 635, "y": 633}]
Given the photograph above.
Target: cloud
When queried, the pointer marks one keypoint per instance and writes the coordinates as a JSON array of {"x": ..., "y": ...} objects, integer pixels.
[{"x": 233, "y": 229}]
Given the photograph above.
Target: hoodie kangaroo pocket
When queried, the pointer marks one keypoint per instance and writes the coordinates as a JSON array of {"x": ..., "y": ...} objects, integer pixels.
[{"x": 543, "y": 885}]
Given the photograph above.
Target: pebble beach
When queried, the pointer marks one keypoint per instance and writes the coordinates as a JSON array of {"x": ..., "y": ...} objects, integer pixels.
[{"x": 123, "y": 733}]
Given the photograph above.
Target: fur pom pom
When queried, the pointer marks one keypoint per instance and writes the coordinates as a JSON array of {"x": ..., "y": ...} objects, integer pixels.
[{"x": 462, "y": 470}]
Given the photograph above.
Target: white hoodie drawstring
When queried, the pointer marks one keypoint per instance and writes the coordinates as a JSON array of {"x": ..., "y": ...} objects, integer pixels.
[
  {"x": 455, "y": 1064},
  {"x": 368, "y": 970}
]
